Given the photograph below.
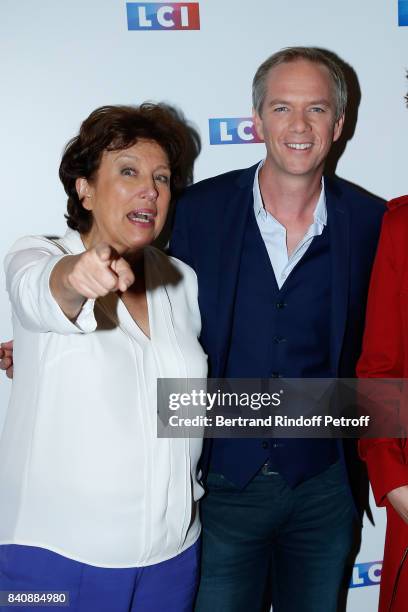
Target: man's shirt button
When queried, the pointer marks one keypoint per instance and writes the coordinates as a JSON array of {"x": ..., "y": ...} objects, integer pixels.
[{"x": 279, "y": 339}]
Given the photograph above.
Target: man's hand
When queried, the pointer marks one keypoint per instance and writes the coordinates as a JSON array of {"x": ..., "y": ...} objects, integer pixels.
[
  {"x": 6, "y": 358},
  {"x": 89, "y": 275},
  {"x": 398, "y": 498}
]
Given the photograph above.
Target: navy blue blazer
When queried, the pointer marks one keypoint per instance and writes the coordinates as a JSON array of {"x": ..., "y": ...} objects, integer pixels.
[{"x": 208, "y": 235}]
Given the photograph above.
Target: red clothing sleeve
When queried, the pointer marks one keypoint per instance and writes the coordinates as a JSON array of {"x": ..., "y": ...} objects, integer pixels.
[{"x": 383, "y": 353}]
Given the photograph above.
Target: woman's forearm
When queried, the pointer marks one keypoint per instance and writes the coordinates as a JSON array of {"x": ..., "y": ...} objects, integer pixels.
[{"x": 67, "y": 297}]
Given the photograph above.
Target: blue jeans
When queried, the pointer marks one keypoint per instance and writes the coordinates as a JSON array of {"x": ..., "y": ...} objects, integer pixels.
[
  {"x": 169, "y": 586},
  {"x": 293, "y": 542}
]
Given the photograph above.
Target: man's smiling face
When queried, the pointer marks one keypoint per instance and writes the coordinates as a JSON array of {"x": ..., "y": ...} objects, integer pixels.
[{"x": 297, "y": 120}]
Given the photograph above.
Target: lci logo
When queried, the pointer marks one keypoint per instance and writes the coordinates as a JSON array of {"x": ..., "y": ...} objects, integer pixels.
[
  {"x": 160, "y": 16},
  {"x": 403, "y": 12},
  {"x": 233, "y": 130},
  {"x": 366, "y": 574}
]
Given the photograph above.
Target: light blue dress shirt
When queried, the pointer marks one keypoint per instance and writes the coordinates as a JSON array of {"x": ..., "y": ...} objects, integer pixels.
[{"x": 274, "y": 233}]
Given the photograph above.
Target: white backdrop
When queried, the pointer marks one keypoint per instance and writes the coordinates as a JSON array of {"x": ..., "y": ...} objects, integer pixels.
[{"x": 60, "y": 60}]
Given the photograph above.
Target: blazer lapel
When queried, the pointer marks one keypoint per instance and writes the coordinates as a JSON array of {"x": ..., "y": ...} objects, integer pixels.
[
  {"x": 339, "y": 230},
  {"x": 235, "y": 214}
]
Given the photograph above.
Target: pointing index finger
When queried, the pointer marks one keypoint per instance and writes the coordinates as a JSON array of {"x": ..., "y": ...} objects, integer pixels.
[{"x": 103, "y": 251}]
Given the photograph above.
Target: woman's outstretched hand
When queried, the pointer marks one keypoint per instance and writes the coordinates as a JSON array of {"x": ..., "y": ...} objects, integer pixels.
[{"x": 90, "y": 275}]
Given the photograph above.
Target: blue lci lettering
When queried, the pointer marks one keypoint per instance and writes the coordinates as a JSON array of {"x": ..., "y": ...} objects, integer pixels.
[
  {"x": 164, "y": 17},
  {"x": 160, "y": 16},
  {"x": 403, "y": 12},
  {"x": 232, "y": 131},
  {"x": 366, "y": 574}
]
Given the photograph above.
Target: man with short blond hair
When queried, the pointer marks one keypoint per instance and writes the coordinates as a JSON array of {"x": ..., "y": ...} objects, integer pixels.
[{"x": 283, "y": 258}]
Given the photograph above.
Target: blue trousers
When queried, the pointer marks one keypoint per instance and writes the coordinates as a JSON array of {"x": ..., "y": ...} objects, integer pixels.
[
  {"x": 169, "y": 586},
  {"x": 293, "y": 543}
]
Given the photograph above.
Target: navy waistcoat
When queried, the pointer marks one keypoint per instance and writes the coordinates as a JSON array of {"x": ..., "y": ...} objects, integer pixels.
[{"x": 278, "y": 332}]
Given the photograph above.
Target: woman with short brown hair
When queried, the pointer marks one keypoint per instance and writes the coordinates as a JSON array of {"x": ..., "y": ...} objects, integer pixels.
[{"x": 93, "y": 503}]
